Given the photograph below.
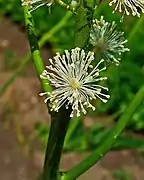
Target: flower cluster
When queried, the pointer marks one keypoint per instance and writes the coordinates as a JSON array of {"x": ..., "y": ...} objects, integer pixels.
[
  {"x": 75, "y": 81},
  {"x": 34, "y": 4},
  {"x": 128, "y": 6},
  {"x": 107, "y": 41}
]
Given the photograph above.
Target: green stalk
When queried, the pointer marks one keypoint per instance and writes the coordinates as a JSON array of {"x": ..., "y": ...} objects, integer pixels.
[
  {"x": 107, "y": 143},
  {"x": 60, "y": 120},
  {"x": 59, "y": 126},
  {"x": 34, "y": 47},
  {"x": 73, "y": 125},
  {"x": 135, "y": 28},
  {"x": 83, "y": 18},
  {"x": 42, "y": 41},
  {"x": 55, "y": 29}
]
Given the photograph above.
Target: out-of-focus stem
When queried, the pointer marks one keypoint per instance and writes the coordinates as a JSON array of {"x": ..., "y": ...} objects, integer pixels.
[
  {"x": 108, "y": 141},
  {"x": 42, "y": 41},
  {"x": 135, "y": 28},
  {"x": 73, "y": 125}
]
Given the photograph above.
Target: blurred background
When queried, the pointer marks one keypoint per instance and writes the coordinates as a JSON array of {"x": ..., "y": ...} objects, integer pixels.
[{"x": 24, "y": 122}]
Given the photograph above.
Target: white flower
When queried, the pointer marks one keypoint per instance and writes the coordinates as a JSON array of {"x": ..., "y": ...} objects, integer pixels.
[
  {"x": 74, "y": 84},
  {"x": 129, "y": 6},
  {"x": 34, "y": 4},
  {"x": 107, "y": 41}
]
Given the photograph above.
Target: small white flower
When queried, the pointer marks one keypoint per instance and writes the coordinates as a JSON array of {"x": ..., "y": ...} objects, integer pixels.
[
  {"x": 34, "y": 4},
  {"x": 107, "y": 41},
  {"x": 129, "y": 6},
  {"x": 74, "y": 84}
]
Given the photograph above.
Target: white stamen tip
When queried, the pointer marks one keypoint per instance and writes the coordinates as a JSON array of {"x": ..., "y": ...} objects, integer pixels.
[{"x": 75, "y": 81}]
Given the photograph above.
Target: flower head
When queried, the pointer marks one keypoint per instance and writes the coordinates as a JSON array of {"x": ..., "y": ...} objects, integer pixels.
[
  {"x": 73, "y": 84},
  {"x": 107, "y": 41},
  {"x": 34, "y": 4},
  {"x": 128, "y": 6}
]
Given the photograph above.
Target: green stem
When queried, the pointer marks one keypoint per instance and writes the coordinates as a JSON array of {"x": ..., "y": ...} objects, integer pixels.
[
  {"x": 135, "y": 28},
  {"x": 56, "y": 138},
  {"x": 55, "y": 29},
  {"x": 107, "y": 143},
  {"x": 15, "y": 74},
  {"x": 60, "y": 120},
  {"x": 42, "y": 41},
  {"x": 73, "y": 125},
  {"x": 35, "y": 52},
  {"x": 83, "y": 17},
  {"x": 63, "y": 4}
]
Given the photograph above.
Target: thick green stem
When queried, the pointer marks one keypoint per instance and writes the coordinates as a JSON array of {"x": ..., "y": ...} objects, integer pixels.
[
  {"x": 37, "y": 60},
  {"x": 107, "y": 143},
  {"x": 83, "y": 17},
  {"x": 60, "y": 120},
  {"x": 56, "y": 138}
]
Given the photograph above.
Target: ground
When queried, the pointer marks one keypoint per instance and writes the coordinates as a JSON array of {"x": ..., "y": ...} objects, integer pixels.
[{"x": 21, "y": 154}]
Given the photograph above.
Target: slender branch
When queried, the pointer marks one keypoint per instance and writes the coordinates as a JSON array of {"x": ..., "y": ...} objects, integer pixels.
[
  {"x": 55, "y": 29},
  {"x": 63, "y": 4},
  {"x": 42, "y": 41},
  {"x": 71, "y": 7},
  {"x": 107, "y": 143},
  {"x": 73, "y": 125},
  {"x": 136, "y": 27},
  {"x": 12, "y": 78}
]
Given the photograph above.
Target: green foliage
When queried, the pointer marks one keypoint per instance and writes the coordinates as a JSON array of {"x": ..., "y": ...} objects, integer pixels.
[
  {"x": 89, "y": 139},
  {"x": 124, "y": 84},
  {"x": 10, "y": 60},
  {"x": 121, "y": 175},
  {"x": 42, "y": 131},
  {"x": 123, "y": 81}
]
